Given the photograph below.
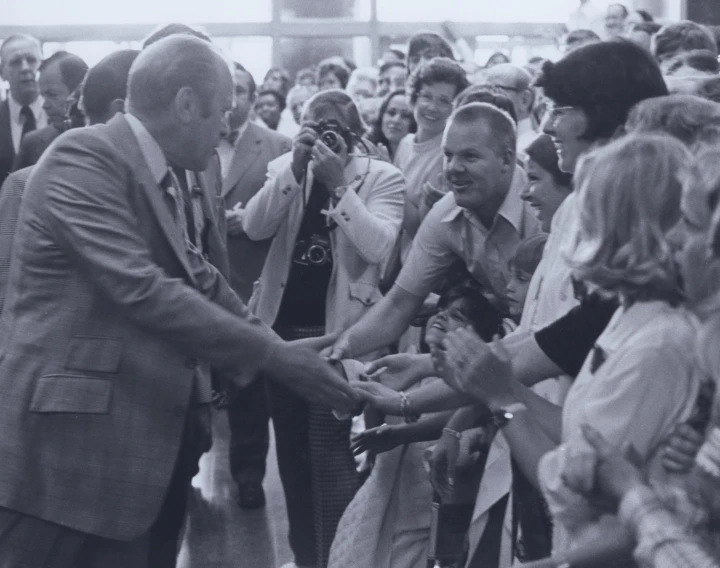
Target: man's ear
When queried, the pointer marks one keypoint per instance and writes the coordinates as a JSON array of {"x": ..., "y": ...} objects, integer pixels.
[{"x": 185, "y": 103}]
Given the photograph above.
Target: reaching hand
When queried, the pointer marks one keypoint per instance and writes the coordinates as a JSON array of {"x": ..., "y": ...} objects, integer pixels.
[
  {"x": 317, "y": 344},
  {"x": 616, "y": 474},
  {"x": 377, "y": 440},
  {"x": 379, "y": 396},
  {"x": 399, "y": 371},
  {"x": 234, "y": 218},
  {"x": 682, "y": 446},
  {"x": 301, "y": 370},
  {"x": 443, "y": 463},
  {"x": 339, "y": 350},
  {"x": 479, "y": 369}
]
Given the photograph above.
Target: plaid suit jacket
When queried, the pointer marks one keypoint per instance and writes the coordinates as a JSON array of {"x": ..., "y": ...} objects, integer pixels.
[{"x": 103, "y": 326}]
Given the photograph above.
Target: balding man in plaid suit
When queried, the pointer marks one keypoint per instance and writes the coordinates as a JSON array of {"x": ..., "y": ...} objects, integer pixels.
[{"x": 110, "y": 313}]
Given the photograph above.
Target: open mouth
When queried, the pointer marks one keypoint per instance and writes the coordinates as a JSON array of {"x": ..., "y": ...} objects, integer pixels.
[{"x": 460, "y": 186}]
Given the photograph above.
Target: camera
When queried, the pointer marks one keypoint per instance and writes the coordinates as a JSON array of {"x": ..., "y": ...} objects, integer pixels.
[
  {"x": 314, "y": 251},
  {"x": 331, "y": 131}
]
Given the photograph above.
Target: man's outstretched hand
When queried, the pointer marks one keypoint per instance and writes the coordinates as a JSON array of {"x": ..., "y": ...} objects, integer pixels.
[{"x": 301, "y": 370}]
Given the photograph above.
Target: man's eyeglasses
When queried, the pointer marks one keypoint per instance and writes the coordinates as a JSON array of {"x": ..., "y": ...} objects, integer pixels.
[{"x": 440, "y": 102}]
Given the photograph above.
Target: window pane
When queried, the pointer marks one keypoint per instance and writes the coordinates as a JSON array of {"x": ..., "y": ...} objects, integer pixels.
[
  {"x": 297, "y": 53},
  {"x": 358, "y": 10},
  {"x": 478, "y": 11},
  {"x": 49, "y": 12},
  {"x": 252, "y": 52}
]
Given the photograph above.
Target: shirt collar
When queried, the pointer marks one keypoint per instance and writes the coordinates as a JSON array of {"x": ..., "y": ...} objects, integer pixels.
[
  {"x": 150, "y": 149},
  {"x": 16, "y": 107},
  {"x": 511, "y": 209}
]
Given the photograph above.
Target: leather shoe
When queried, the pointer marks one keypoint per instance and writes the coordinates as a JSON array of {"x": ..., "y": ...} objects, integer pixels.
[{"x": 251, "y": 495}]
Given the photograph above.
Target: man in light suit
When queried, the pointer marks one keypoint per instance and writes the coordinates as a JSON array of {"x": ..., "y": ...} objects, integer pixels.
[
  {"x": 22, "y": 112},
  {"x": 110, "y": 312},
  {"x": 244, "y": 156},
  {"x": 60, "y": 75}
]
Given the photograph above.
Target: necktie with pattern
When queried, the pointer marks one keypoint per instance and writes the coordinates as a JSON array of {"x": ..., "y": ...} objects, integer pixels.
[{"x": 29, "y": 124}]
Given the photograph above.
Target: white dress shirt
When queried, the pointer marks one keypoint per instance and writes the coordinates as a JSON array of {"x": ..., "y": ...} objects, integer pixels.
[
  {"x": 226, "y": 151},
  {"x": 17, "y": 120}
]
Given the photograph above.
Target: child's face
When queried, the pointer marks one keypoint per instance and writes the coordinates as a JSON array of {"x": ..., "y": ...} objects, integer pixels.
[
  {"x": 450, "y": 318},
  {"x": 517, "y": 290}
]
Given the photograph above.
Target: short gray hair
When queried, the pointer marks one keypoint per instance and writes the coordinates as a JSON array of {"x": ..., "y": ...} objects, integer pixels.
[
  {"x": 500, "y": 123},
  {"x": 167, "y": 66}
]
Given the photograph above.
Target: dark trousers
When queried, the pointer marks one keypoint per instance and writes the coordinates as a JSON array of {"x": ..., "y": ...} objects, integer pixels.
[
  {"x": 248, "y": 417},
  {"x": 290, "y": 415},
  {"x": 29, "y": 542}
]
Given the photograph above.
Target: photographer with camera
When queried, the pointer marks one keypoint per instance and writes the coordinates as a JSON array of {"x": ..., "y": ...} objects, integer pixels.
[{"x": 334, "y": 214}]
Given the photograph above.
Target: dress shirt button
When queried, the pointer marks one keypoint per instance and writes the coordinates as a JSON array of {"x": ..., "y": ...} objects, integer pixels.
[
  {"x": 179, "y": 411},
  {"x": 191, "y": 363}
]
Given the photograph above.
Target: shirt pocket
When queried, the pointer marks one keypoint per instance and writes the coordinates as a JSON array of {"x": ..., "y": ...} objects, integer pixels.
[{"x": 72, "y": 394}]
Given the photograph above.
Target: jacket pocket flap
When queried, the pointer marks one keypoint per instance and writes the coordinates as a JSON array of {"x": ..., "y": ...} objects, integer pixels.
[
  {"x": 94, "y": 354},
  {"x": 69, "y": 393},
  {"x": 366, "y": 293}
]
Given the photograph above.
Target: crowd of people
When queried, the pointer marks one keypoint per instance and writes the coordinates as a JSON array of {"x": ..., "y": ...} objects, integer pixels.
[{"x": 478, "y": 304}]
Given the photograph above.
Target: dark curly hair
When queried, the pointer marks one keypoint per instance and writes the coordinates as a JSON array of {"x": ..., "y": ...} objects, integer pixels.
[
  {"x": 376, "y": 135},
  {"x": 437, "y": 70},
  {"x": 605, "y": 80},
  {"x": 677, "y": 37}
]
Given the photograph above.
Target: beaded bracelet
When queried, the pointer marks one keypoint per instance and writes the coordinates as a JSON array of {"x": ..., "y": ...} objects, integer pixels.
[{"x": 406, "y": 409}]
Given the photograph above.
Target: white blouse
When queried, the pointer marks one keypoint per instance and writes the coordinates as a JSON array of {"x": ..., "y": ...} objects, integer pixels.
[{"x": 637, "y": 383}]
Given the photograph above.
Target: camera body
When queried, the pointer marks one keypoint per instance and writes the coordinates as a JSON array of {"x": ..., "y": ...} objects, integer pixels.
[
  {"x": 331, "y": 131},
  {"x": 314, "y": 251}
]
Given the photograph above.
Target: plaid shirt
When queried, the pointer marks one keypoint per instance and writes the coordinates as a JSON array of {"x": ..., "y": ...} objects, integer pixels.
[{"x": 666, "y": 526}]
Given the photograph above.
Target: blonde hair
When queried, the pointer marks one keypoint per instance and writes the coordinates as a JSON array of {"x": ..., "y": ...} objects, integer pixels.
[{"x": 628, "y": 199}]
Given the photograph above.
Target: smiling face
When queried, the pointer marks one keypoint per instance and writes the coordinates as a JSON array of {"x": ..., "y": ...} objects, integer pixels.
[
  {"x": 478, "y": 171},
  {"x": 268, "y": 110},
  {"x": 449, "y": 318},
  {"x": 566, "y": 126},
  {"x": 432, "y": 108},
  {"x": 397, "y": 118},
  {"x": 615, "y": 20},
  {"x": 543, "y": 193}
]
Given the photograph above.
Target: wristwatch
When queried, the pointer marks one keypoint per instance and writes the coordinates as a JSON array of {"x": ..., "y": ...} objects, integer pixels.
[{"x": 502, "y": 416}]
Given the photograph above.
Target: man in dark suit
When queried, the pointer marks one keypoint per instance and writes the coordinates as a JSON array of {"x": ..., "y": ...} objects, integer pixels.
[
  {"x": 103, "y": 95},
  {"x": 22, "y": 111},
  {"x": 245, "y": 155},
  {"x": 110, "y": 312},
  {"x": 60, "y": 75}
]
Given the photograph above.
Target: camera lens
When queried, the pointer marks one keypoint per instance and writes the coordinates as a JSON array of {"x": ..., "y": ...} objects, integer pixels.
[
  {"x": 331, "y": 140},
  {"x": 317, "y": 255}
]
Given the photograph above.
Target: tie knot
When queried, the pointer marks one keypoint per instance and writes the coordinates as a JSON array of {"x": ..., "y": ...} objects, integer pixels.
[
  {"x": 26, "y": 112},
  {"x": 233, "y": 136}
]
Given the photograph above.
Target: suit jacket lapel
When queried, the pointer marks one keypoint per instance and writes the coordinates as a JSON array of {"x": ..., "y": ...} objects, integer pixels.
[
  {"x": 127, "y": 145},
  {"x": 247, "y": 150},
  {"x": 215, "y": 241}
]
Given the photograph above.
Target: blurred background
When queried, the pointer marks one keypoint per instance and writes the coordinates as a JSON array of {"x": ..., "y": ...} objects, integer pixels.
[{"x": 298, "y": 33}]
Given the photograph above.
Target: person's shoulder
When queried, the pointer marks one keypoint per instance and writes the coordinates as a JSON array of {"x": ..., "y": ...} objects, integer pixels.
[{"x": 281, "y": 162}]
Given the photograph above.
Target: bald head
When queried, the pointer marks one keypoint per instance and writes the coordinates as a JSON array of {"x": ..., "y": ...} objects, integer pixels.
[
  {"x": 515, "y": 82},
  {"x": 170, "y": 65}
]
